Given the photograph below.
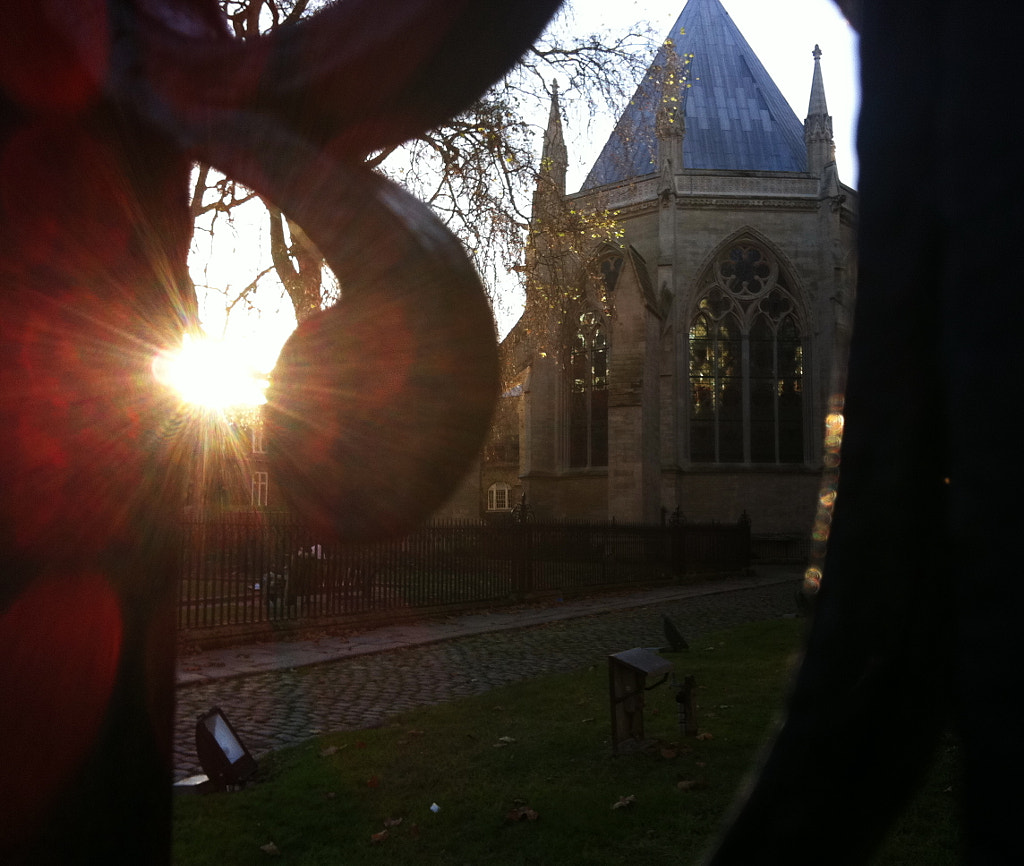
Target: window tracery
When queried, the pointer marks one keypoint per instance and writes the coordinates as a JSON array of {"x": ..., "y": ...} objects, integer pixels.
[{"x": 746, "y": 364}]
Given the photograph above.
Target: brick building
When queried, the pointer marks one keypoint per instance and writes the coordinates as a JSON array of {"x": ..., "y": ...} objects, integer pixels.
[{"x": 229, "y": 472}]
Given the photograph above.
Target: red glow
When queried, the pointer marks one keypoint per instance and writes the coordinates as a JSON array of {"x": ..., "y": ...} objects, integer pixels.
[
  {"x": 60, "y": 642},
  {"x": 53, "y": 54}
]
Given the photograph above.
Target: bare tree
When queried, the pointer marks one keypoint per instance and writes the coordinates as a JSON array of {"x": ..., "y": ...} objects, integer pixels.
[{"x": 477, "y": 172}]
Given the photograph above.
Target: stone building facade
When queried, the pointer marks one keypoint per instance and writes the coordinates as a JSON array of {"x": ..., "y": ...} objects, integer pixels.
[{"x": 687, "y": 310}]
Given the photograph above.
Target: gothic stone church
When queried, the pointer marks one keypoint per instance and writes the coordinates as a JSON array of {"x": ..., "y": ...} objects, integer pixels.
[{"x": 685, "y": 363}]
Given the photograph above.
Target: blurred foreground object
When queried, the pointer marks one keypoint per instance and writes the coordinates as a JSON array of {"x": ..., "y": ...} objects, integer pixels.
[
  {"x": 917, "y": 624},
  {"x": 103, "y": 108}
]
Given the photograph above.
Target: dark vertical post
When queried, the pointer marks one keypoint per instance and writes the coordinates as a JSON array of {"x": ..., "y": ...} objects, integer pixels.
[
  {"x": 744, "y": 545},
  {"x": 94, "y": 229},
  {"x": 102, "y": 111}
]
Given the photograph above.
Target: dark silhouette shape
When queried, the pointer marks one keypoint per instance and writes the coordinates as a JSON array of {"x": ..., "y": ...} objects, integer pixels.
[
  {"x": 918, "y": 622},
  {"x": 103, "y": 106},
  {"x": 672, "y": 634}
]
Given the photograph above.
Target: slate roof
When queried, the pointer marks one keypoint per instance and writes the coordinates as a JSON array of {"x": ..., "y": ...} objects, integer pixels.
[{"x": 736, "y": 117}]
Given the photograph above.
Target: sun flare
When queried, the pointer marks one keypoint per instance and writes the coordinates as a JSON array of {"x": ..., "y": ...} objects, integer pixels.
[{"x": 213, "y": 374}]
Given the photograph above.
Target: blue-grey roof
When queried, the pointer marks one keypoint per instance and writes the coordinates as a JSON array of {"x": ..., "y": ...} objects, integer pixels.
[{"x": 736, "y": 117}]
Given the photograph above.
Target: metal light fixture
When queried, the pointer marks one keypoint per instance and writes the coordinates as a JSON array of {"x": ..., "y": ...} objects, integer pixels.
[{"x": 223, "y": 756}]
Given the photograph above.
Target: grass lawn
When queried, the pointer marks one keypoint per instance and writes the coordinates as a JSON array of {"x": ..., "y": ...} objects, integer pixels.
[{"x": 525, "y": 775}]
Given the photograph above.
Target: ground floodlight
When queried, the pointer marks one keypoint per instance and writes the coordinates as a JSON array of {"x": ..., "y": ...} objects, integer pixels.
[{"x": 223, "y": 756}]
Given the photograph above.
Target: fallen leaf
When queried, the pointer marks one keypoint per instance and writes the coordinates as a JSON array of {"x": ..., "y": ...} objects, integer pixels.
[
  {"x": 585, "y": 721},
  {"x": 392, "y": 822},
  {"x": 686, "y": 785},
  {"x": 373, "y": 782},
  {"x": 669, "y": 754},
  {"x": 270, "y": 848},
  {"x": 330, "y": 750},
  {"x": 330, "y": 795},
  {"x": 523, "y": 813},
  {"x": 705, "y": 736},
  {"x": 376, "y": 838},
  {"x": 624, "y": 802}
]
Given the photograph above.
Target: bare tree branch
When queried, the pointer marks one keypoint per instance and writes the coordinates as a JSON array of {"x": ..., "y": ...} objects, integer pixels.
[
  {"x": 247, "y": 292},
  {"x": 478, "y": 172}
]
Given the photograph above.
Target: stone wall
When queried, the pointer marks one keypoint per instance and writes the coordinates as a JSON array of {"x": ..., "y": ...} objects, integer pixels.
[{"x": 776, "y": 502}]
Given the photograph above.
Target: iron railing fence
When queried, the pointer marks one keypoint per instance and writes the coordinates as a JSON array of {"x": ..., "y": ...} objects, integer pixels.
[
  {"x": 263, "y": 567},
  {"x": 781, "y": 549}
]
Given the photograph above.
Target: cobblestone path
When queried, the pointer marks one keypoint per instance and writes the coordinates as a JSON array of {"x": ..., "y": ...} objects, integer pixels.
[{"x": 272, "y": 710}]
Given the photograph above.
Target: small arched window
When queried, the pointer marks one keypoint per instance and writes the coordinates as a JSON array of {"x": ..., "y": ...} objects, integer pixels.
[
  {"x": 746, "y": 365},
  {"x": 499, "y": 497}
]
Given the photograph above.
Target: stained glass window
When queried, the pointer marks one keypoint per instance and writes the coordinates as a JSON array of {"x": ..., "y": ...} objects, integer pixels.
[
  {"x": 588, "y": 395},
  {"x": 746, "y": 365}
]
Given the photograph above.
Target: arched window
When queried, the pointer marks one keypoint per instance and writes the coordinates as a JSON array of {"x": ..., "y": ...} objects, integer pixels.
[
  {"x": 610, "y": 266},
  {"x": 588, "y": 395},
  {"x": 499, "y": 497},
  {"x": 716, "y": 386},
  {"x": 746, "y": 365}
]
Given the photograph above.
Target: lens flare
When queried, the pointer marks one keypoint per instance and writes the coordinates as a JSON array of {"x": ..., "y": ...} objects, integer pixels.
[
  {"x": 212, "y": 374},
  {"x": 834, "y": 423}
]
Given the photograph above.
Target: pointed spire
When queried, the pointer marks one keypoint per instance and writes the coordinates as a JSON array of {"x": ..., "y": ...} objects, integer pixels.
[
  {"x": 549, "y": 194},
  {"x": 670, "y": 123},
  {"x": 817, "y": 104},
  {"x": 554, "y": 159},
  {"x": 821, "y": 148}
]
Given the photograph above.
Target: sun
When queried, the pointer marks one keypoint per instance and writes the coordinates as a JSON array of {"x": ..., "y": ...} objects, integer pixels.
[{"x": 212, "y": 374}]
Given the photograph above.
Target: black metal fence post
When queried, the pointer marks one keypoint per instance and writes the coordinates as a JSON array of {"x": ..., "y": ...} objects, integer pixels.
[{"x": 522, "y": 534}]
